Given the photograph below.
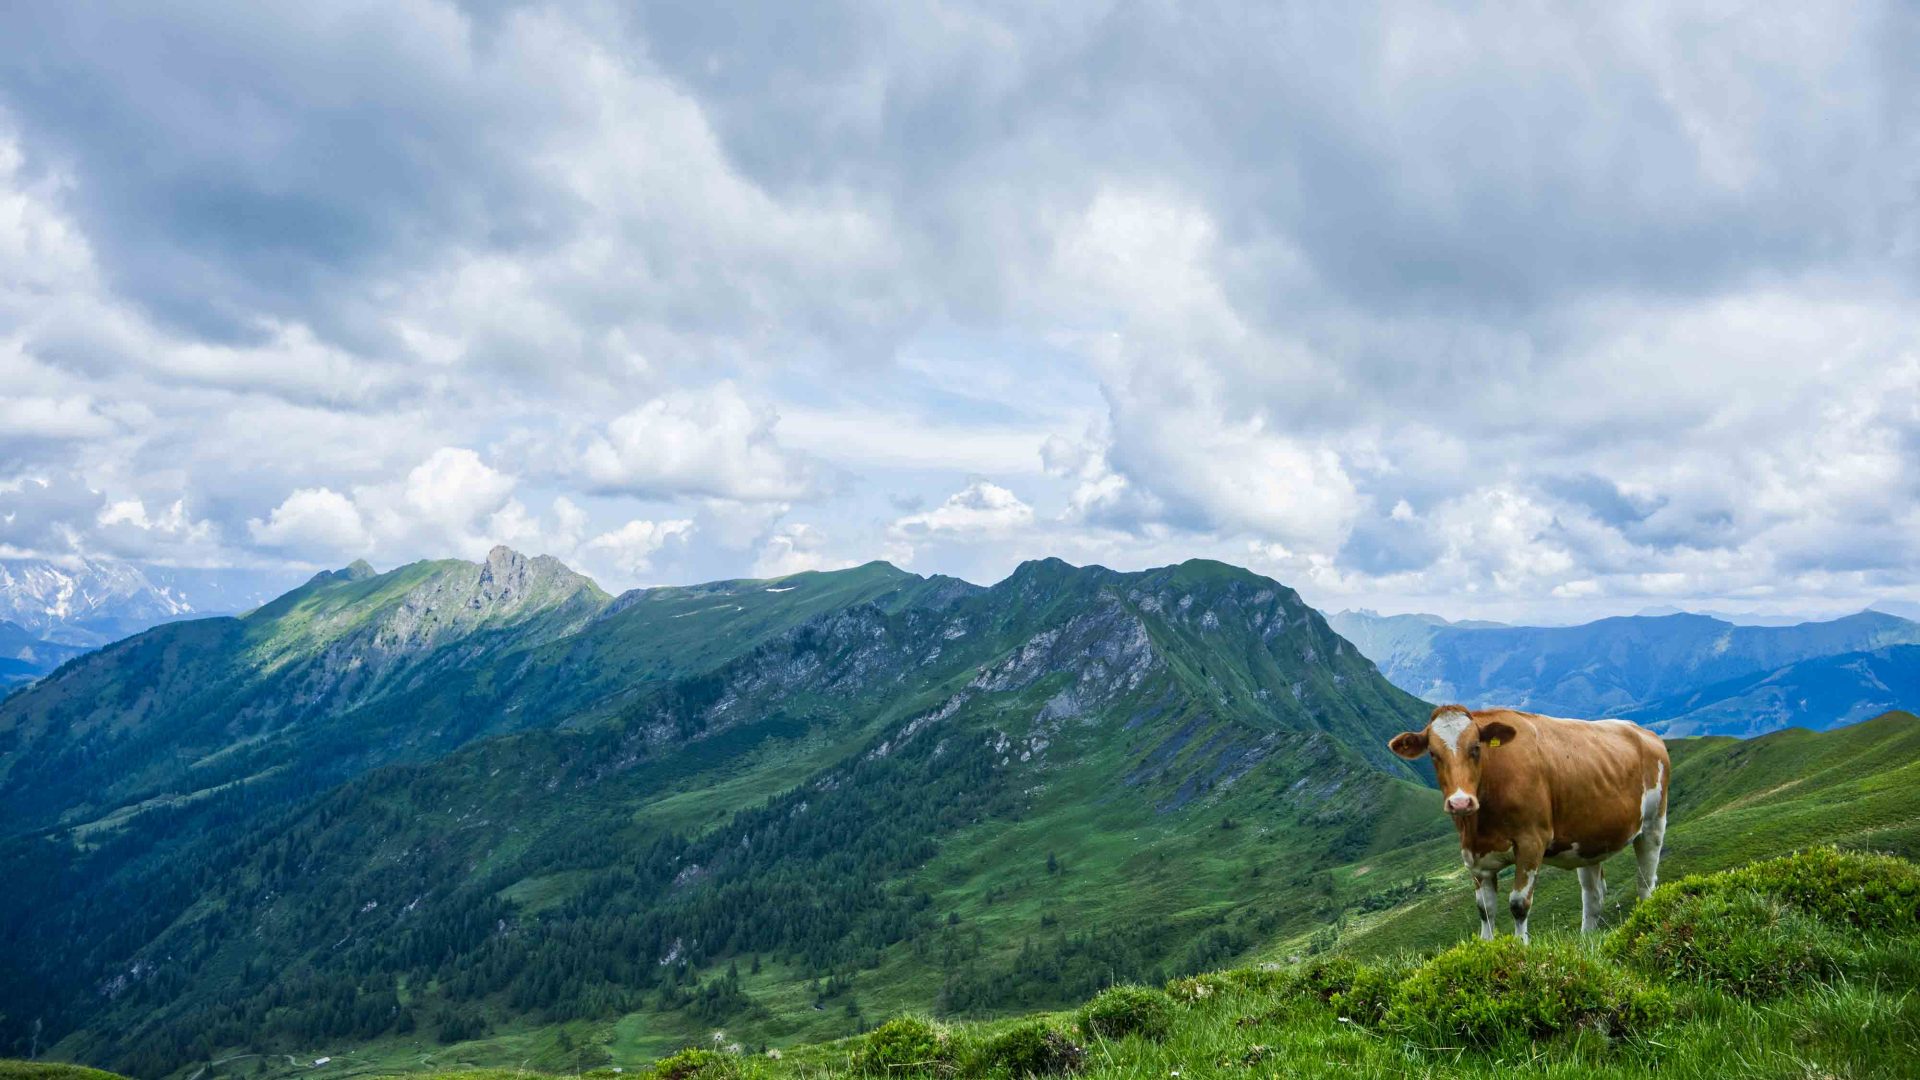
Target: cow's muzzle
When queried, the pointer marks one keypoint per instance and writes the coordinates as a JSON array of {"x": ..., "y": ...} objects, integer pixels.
[{"x": 1460, "y": 805}]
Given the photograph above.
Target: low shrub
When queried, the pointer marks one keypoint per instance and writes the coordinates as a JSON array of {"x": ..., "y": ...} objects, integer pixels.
[
  {"x": 1033, "y": 1049},
  {"x": 1369, "y": 991},
  {"x": 1770, "y": 926},
  {"x": 1192, "y": 989},
  {"x": 1326, "y": 977},
  {"x": 1841, "y": 888},
  {"x": 1266, "y": 978},
  {"x": 904, "y": 1046},
  {"x": 697, "y": 1064},
  {"x": 1128, "y": 1010},
  {"x": 1742, "y": 942},
  {"x": 1501, "y": 992}
]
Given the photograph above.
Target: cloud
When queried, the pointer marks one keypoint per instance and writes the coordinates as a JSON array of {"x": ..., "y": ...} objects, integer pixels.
[
  {"x": 451, "y": 503},
  {"x": 31, "y": 419},
  {"x": 711, "y": 442},
  {"x": 1412, "y": 306},
  {"x": 982, "y": 508},
  {"x": 315, "y": 523},
  {"x": 630, "y": 548},
  {"x": 795, "y": 548},
  {"x": 453, "y": 487},
  {"x": 60, "y": 516}
]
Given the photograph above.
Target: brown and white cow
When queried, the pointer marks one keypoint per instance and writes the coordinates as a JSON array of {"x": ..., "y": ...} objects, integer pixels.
[{"x": 1525, "y": 790}]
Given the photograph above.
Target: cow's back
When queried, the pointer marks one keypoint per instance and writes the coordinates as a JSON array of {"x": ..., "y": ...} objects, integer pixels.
[{"x": 1599, "y": 780}]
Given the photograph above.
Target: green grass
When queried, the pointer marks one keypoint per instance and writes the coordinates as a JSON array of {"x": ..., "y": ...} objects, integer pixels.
[
  {"x": 50, "y": 1070},
  {"x": 1560, "y": 1007},
  {"x": 1185, "y": 871}
]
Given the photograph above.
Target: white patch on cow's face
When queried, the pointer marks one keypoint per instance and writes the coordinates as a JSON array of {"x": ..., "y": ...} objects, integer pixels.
[{"x": 1449, "y": 726}]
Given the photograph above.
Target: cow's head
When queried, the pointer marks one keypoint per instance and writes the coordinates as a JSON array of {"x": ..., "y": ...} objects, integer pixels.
[{"x": 1458, "y": 745}]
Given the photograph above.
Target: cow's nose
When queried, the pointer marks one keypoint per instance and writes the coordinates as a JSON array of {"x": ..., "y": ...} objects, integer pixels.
[{"x": 1461, "y": 804}]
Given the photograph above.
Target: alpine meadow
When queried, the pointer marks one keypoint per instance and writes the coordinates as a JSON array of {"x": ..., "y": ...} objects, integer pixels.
[{"x": 959, "y": 540}]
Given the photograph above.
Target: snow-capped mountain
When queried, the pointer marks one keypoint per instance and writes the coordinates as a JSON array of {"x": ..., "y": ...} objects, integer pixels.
[{"x": 90, "y": 602}]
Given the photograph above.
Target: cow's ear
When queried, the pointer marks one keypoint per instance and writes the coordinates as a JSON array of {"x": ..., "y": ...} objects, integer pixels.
[
  {"x": 1496, "y": 733},
  {"x": 1408, "y": 744}
]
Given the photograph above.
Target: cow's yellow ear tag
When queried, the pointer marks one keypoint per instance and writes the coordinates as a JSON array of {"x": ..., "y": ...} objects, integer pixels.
[{"x": 1493, "y": 742}]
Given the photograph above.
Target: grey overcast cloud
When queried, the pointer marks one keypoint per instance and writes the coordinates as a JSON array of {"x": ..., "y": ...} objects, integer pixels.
[{"x": 1525, "y": 311}]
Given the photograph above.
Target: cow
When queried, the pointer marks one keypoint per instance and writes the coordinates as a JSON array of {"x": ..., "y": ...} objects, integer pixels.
[{"x": 1525, "y": 789}]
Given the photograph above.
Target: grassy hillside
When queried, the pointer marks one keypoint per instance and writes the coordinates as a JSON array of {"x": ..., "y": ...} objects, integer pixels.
[
  {"x": 1735, "y": 802},
  {"x": 1801, "y": 966}
]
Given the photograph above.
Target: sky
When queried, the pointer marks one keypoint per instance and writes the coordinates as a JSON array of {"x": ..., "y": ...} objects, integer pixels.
[{"x": 1524, "y": 311}]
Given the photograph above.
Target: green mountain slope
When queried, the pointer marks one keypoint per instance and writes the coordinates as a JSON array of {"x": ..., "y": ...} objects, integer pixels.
[
  {"x": 1820, "y": 983},
  {"x": 868, "y": 787},
  {"x": 349, "y": 671}
]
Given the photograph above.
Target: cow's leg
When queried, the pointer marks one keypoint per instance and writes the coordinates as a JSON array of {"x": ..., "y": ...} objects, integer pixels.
[
  {"x": 1526, "y": 873},
  {"x": 1593, "y": 894},
  {"x": 1646, "y": 851},
  {"x": 1486, "y": 893}
]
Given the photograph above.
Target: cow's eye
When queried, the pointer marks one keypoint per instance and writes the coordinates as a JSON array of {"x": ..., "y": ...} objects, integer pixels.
[{"x": 1474, "y": 753}]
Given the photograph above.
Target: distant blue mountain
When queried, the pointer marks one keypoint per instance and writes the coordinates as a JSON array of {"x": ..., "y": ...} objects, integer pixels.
[
  {"x": 1649, "y": 666},
  {"x": 24, "y": 657},
  {"x": 1822, "y": 693}
]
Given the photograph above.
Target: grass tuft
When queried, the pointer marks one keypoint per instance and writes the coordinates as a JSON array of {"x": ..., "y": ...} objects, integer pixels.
[
  {"x": 1503, "y": 994},
  {"x": 1033, "y": 1048},
  {"x": 1128, "y": 1010},
  {"x": 905, "y": 1046}
]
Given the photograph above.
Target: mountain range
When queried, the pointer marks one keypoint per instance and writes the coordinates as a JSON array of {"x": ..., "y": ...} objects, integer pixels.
[
  {"x": 24, "y": 657},
  {"x": 1680, "y": 674},
  {"x": 89, "y": 602},
  {"x": 465, "y": 797}
]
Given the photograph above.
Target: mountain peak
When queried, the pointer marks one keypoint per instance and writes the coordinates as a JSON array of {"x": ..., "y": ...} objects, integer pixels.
[
  {"x": 357, "y": 570},
  {"x": 509, "y": 579}
]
